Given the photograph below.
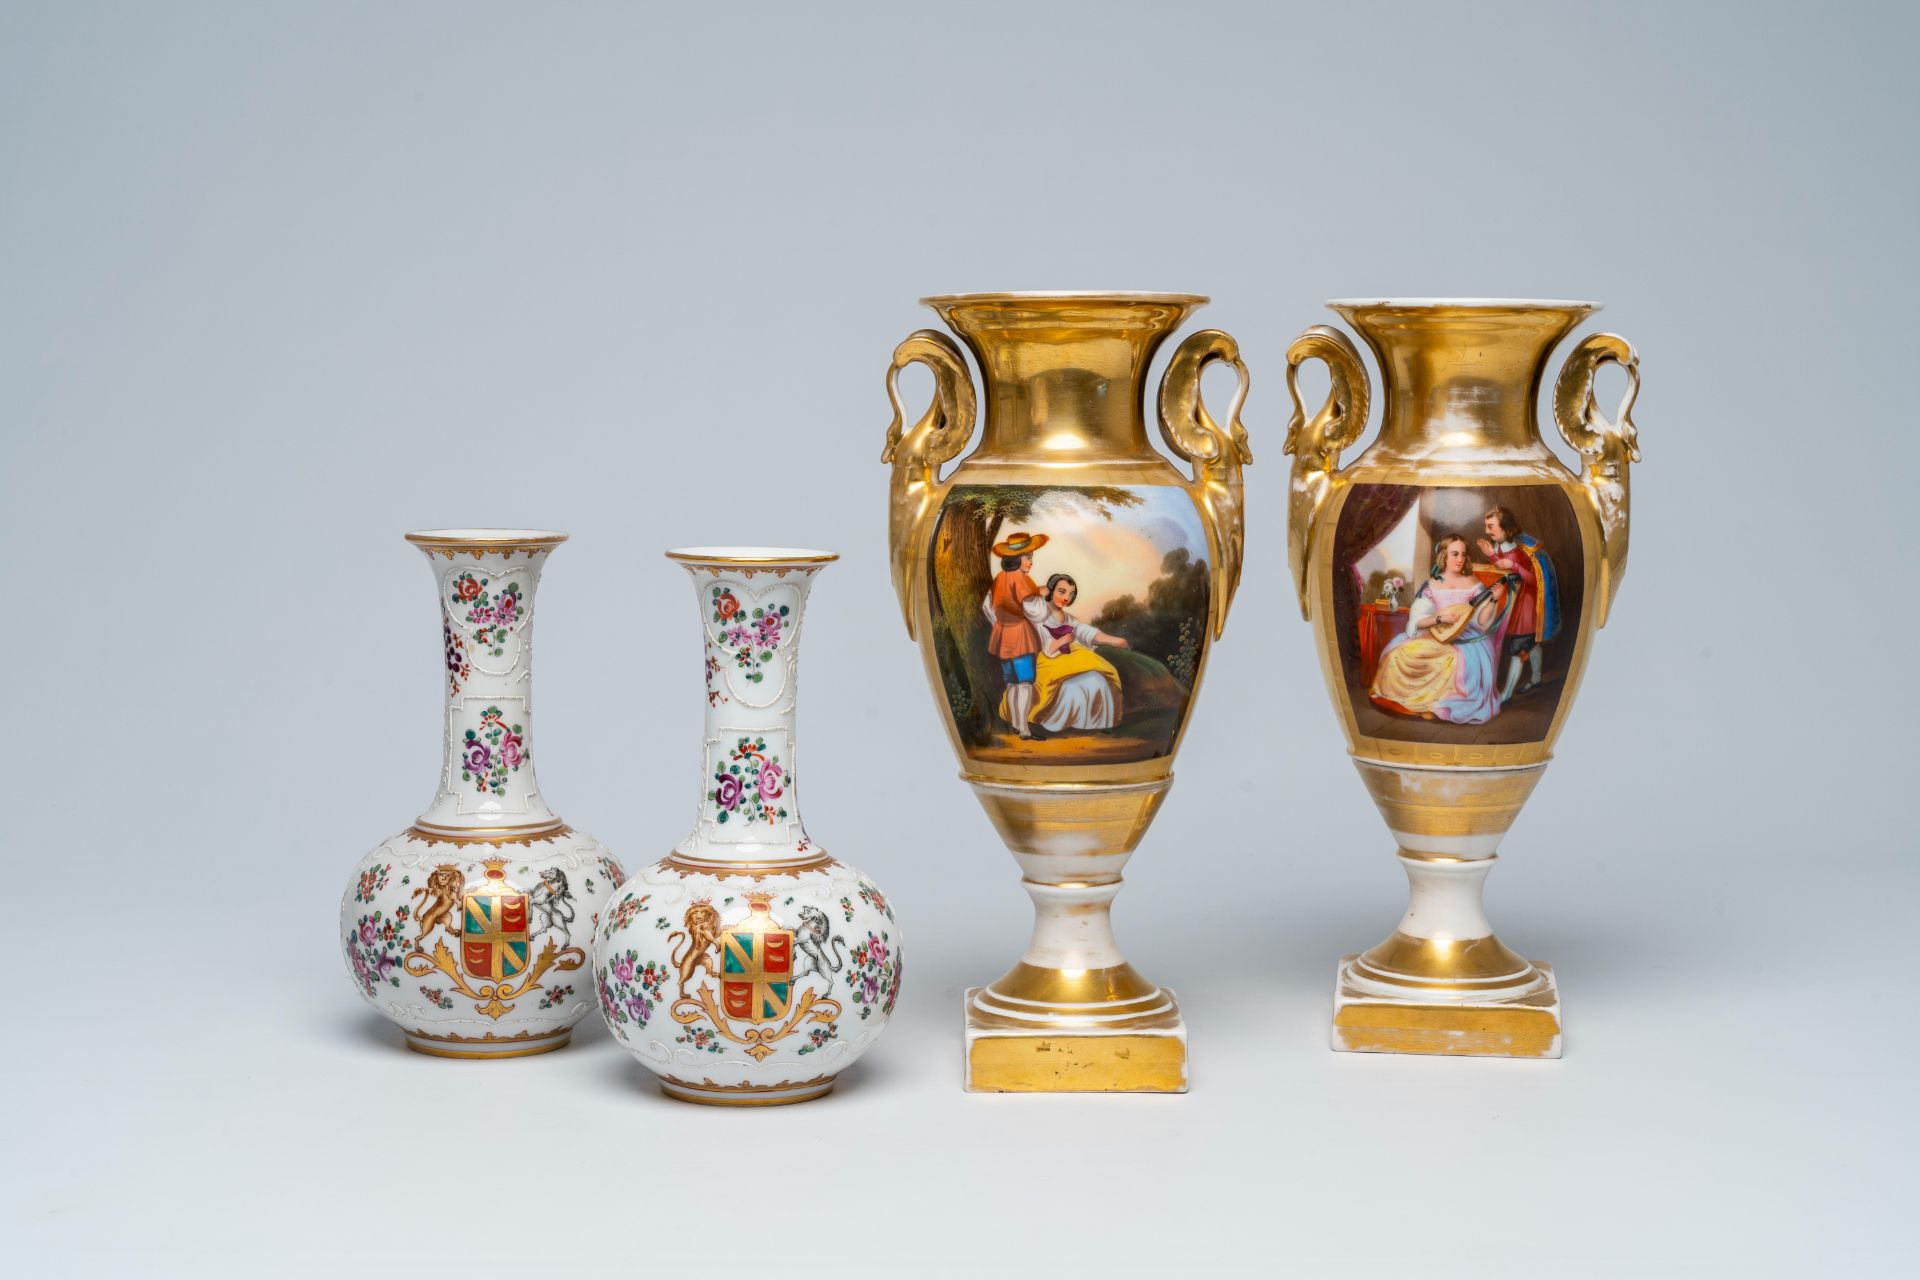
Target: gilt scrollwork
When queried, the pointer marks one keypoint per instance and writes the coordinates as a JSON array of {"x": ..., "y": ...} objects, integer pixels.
[
  {"x": 918, "y": 452},
  {"x": 1216, "y": 454},
  {"x": 1316, "y": 442}
]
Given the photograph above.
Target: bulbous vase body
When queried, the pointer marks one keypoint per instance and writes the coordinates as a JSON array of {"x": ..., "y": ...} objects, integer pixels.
[
  {"x": 1064, "y": 583},
  {"x": 748, "y": 968},
  {"x": 1455, "y": 574},
  {"x": 470, "y": 928}
]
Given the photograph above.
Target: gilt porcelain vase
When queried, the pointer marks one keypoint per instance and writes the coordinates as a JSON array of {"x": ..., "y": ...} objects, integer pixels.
[
  {"x": 1455, "y": 573},
  {"x": 470, "y": 928},
  {"x": 748, "y": 968},
  {"x": 1064, "y": 582}
]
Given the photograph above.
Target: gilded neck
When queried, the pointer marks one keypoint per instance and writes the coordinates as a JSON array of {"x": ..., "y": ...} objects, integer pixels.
[
  {"x": 1461, "y": 377},
  {"x": 1065, "y": 373}
]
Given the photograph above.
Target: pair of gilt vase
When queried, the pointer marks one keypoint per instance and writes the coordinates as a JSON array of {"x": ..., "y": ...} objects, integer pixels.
[
  {"x": 1065, "y": 581},
  {"x": 746, "y": 968}
]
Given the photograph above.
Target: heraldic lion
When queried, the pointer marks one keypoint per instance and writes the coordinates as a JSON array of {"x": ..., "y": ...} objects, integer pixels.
[
  {"x": 441, "y": 900},
  {"x": 703, "y": 929}
]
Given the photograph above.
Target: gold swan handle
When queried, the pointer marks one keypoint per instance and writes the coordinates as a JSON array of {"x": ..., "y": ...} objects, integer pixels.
[
  {"x": 1316, "y": 442},
  {"x": 1216, "y": 453},
  {"x": 1608, "y": 447},
  {"x": 917, "y": 453}
]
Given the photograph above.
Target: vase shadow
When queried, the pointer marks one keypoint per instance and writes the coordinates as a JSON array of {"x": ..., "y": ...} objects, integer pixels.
[{"x": 366, "y": 1029}]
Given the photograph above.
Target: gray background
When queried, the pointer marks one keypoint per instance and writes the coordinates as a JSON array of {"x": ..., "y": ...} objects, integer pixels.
[{"x": 282, "y": 282}]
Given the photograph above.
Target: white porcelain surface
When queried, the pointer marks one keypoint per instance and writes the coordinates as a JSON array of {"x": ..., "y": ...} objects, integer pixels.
[
  {"x": 748, "y": 966},
  {"x": 470, "y": 929}
]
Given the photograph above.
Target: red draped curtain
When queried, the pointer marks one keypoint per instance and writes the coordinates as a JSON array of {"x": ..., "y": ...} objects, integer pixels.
[{"x": 1371, "y": 512}]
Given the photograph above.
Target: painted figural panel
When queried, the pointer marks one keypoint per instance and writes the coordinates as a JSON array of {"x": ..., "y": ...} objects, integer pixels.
[
  {"x": 1069, "y": 620},
  {"x": 1456, "y": 610}
]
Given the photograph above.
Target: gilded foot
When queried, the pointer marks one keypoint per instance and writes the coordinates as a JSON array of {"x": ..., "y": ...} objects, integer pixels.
[
  {"x": 1135, "y": 1055},
  {"x": 1524, "y": 1027},
  {"x": 524, "y": 1045}
]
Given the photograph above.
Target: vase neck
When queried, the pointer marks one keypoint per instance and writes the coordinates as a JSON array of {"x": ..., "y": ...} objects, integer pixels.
[
  {"x": 1461, "y": 378},
  {"x": 486, "y": 605},
  {"x": 751, "y": 617},
  {"x": 1065, "y": 375}
]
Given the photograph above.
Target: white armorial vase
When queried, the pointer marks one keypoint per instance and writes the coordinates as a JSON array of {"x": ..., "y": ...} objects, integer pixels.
[
  {"x": 469, "y": 929},
  {"x": 748, "y": 968}
]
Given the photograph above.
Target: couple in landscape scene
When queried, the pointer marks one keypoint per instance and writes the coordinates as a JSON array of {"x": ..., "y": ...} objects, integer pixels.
[{"x": 1055, "y": 682}]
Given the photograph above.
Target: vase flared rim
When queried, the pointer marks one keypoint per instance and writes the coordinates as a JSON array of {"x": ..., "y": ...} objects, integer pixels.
[
  {"x": 1463, "y": 304},
  {"x": 486, "y": 538},
  {"x": 938, "y": 300},
  {"x": 751, "y": 555}
]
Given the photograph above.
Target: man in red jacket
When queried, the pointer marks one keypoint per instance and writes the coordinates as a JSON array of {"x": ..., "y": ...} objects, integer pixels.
[{"x": 1013, "y": 606}]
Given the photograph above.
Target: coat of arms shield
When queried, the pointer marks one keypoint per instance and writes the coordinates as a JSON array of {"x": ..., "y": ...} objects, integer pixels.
[
  {"x": 494, "y": 938},
  {"x": 756, "y": 966}
]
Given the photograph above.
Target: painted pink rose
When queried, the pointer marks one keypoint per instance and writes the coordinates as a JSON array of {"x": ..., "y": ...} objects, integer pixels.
[
  {"x": 367, "y": 932},
  {"x": 870, "y": 988},
  {"x": 728, "y": 794},
  {"x": 479, "y": 757},
  {"x": 737, "y": 636},
  {"x": 770, "y": 775},
  {"x": 623, "y": 969},
  {"x": 507, "y": 608},
  {"x": 513, "y": 750},
  {"x": 769, "y": 630}
]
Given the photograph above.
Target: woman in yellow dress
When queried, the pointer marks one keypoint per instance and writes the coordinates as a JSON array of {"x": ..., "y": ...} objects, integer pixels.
[
  {"x": 1074, "y": 687},
  {"x": 1450, "y": 678}
]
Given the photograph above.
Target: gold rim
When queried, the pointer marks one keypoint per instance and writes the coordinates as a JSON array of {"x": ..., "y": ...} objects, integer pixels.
[
  {"x": 473, "y": 1055},
  {"x": 1464, "y": 304},
  {"x": 486, "y": 540},
  {"x": 1066, "y": 295},
  {"x": 489, "y": 833},
  {"x": 747, "y": 1095},
  {"x": 750, "y": 555},
  {"x": 524, "y": 1037},
  {"x": 500, "y": 835},
  {"x": 684, "y": 867}
]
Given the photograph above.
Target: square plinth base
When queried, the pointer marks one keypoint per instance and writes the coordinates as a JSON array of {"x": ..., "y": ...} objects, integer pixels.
[
  {"x": 1000, "y": 1059},
  {"x": 1525, "y": 1028}
]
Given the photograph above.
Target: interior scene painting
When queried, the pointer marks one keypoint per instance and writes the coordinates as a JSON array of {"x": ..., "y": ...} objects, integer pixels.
[
  {"x": 1069, "y": 621},
  {"x": 1456, "y": 610}
]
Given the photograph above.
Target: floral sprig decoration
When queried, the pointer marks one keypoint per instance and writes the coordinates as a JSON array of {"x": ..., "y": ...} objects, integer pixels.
[
  {"x": 750, "y": 782},
  {"x": 749, "y": 638},
  {"x": 874, "y": 974},
  {"x": 623, "y": 913},
  {"x": 492, "y": 614},
  {"x": 458, "y": 668},
  {"x": 629, "y": 989},
  {"x": 493, "y": 751},
  {"x": 871, "y": 895},
  {"x": 372, "y": 881},
  {"x": 820, "y": 1037},
  {"x": 700, "y": 1036},
  {"x": 374, "y": 947}
]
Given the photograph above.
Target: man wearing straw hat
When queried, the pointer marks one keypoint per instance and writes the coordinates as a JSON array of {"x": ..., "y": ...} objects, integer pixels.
[{"x": 1015, "y": 607}]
